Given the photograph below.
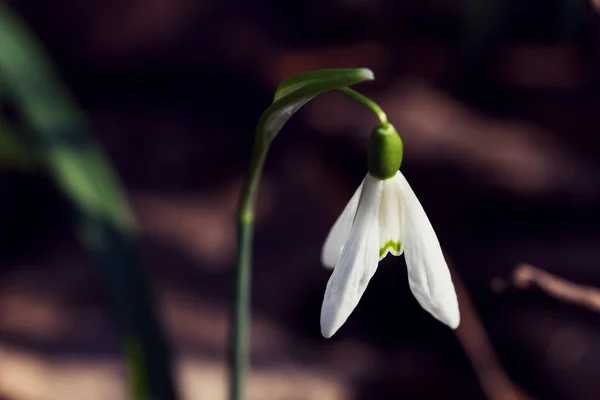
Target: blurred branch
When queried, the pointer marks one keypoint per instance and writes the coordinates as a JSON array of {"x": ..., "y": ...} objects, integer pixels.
[
  {"x": 474, "y": 340},
  {"x": 526, "y": 275},
  {"x": 79, "y": 168}
]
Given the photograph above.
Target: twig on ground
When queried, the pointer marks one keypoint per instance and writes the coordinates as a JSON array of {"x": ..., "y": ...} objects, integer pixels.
[
  {"x": 526, "y": 275},
  {"x": 474, "y": 340}
]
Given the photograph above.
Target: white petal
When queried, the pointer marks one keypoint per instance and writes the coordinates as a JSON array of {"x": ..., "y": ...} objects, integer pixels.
[
  {"x": 390, "y": 217},
  {"x": 358, "y": 261},
  {"x": 339, "y": 233},
  {"x": 428, "y": 274}
]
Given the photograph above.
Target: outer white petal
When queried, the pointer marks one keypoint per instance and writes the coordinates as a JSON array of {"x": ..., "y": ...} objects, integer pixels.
[
  {"x": 391, "y": 214},
  {"x": 428, "y": 274},
  {"x": 339, "y": 233},
  {"x": 358, "y": 261}
]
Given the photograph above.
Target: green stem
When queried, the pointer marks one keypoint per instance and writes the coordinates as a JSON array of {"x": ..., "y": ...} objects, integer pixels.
[
  {"x": 240, "y": 315},
  {"x": 364, "y": 100},
  {"x": 239, "y": 357}
]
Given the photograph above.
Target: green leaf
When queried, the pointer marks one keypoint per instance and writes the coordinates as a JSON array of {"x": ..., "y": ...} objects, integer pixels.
[
  {"x": 28, "y": 76},
  {"x": 297, "y": 90},
  {"x": 62, "y": 137},
  {"x": 15, "y": 153},
  {"x": 296, "y": 82}
]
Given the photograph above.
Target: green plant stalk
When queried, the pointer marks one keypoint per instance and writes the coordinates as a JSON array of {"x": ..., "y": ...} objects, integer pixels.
[
  {"x": 241, "y": 316},
  {"x": 365, "y": 101},
  {"x": 239, "y": 340},
  {"x": 239, "y": 357},
  {"x": 80, "y": 169}
]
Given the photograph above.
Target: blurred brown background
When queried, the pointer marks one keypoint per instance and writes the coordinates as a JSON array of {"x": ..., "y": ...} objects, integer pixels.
[{"x": 497, "y": 102}]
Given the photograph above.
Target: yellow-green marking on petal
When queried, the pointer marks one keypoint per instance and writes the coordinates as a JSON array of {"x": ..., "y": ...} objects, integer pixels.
[{"x": 390, "y": 245}]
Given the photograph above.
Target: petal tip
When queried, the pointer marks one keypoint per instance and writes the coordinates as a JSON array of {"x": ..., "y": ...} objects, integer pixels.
[
  {"x": 452, "y": 317},
  {"x": 326, "y": 261},
  {"x": 330, "y": 320},
  {"x": 454, "y": 324},
  {"x": 326, "y": 334},
  {"x": 328, "y": 329},
  {"x": 367, "y": 74}
]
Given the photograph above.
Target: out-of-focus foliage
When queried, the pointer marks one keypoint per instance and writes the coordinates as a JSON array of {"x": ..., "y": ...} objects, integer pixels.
[{"x": 61, "y": 136}]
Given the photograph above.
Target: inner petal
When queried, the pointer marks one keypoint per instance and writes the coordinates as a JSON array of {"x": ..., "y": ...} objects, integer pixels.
[{"x": 390, "y": 219}]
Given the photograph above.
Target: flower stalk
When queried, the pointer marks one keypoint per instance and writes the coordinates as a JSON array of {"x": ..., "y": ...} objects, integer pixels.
[
  {"x": 365, "y": 101},
  {"x": 290, "y": 96}
]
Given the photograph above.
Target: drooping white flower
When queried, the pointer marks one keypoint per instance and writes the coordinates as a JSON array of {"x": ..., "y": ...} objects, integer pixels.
[{"x": 384, "y": 216}]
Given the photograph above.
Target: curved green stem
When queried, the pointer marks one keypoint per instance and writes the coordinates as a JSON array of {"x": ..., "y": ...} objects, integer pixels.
[
  {"x": 291, "y": 94},
  {"x": 364, "y": 100}
]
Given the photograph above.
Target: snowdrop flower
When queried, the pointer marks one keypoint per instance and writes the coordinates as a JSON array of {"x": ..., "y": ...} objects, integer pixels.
[{"x": 384, "y": 216}]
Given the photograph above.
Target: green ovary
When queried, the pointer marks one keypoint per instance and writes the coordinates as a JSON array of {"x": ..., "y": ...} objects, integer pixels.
[
  {"x": 384, "y": 151},
  {"x": 390, "y": 244}
]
